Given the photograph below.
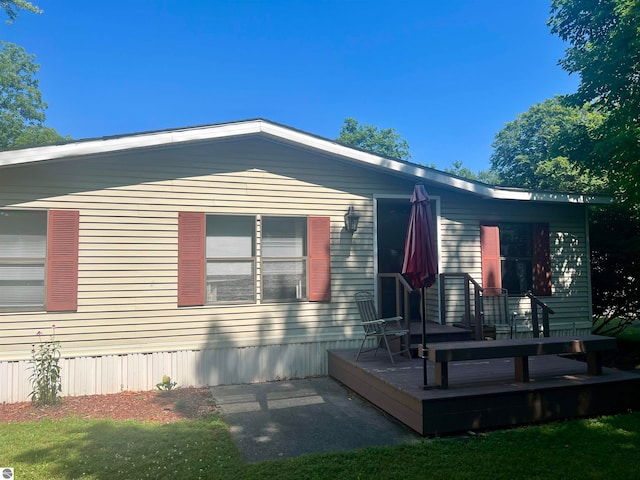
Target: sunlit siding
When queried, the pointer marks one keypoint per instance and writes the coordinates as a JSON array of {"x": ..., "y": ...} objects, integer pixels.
[{"x": 460, "y": 246}]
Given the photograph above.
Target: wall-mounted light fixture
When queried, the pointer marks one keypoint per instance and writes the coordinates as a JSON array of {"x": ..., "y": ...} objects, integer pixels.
[{"x": 351, "y": 220}]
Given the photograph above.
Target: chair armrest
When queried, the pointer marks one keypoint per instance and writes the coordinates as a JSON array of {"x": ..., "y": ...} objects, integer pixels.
[
  {"x": 373, "y": 322},
  {"x": 391, "y": 319},
  {"x": 392, "y": 322}
]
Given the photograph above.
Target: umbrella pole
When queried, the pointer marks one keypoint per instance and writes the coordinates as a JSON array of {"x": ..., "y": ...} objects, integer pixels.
[{"x": 424, "y": 340}]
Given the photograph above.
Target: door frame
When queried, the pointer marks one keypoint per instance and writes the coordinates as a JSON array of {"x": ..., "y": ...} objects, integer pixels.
[{"x": 436, "y": 201}]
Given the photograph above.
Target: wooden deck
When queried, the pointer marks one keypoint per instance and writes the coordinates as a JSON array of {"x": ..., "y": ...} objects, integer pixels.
[{"x": 482, "y": 394}]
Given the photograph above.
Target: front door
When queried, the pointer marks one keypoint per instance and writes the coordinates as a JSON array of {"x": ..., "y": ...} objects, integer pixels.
[
  {"x": 393, "y": 220},
  {"x": 392, "y": 223}
]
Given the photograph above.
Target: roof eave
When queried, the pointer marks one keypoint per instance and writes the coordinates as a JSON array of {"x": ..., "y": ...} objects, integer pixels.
[
  {"x": 126, "y": 142},
  {"x": 84, "y": 148}
]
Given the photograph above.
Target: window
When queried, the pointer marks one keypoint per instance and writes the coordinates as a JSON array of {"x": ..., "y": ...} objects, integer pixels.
[
  {"x": 23, "y": 252},
  {"x": 219, "y": 260},
  {"x": 39, "y": 260},
  {"x": 230, "y": 252},
  {"x": 284, "y": 259},
  {"x": 516, "y": 256}
]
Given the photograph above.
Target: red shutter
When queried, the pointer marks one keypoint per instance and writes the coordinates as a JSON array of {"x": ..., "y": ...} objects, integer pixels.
[
  {"x": 191, "y": 262},
  {"x": 319, "y": 230},
  {"x": 541, "y": 260},
  {"x": 490, "y": 253},
  {"x": 62, "y": 260}
]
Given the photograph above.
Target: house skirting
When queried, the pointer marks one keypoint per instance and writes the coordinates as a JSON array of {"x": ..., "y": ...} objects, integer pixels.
[{"x": 91, "y": 375}]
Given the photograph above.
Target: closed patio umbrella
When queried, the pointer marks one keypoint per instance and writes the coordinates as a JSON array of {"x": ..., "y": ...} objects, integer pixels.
[{"x": 420, "y": 265}]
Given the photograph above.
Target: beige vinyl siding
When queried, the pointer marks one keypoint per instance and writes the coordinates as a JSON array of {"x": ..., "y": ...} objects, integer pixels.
[
  {"x": 128, "y": 247},
  {"x": 128, "y": 320},
  {"x": 460, "y": 243}
]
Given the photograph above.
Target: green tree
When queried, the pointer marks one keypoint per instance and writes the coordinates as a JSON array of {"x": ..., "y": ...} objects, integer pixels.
[
  {"x": 12, "y": 8},
  {"x": 604, "y": 49},
  {"x": 541, "y": 149},
  {"x": 385, "y": 142},
  {"x": 484, "y": 176},
  {"x": 615, "y": 267},
  {"x": 35, "y": 135},
  {"x": 21, "y": 102},
  {"x": 538, "y": 150}
]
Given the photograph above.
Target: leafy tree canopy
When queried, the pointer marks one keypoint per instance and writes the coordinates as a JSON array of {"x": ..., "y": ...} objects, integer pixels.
[
  {"x": 615, "y": 266},
  {"x": 385, "y": 142},
  {"x": 538, "y": 150},
  {"x": 542, "y": 149},
  {"x": 604, "y": 49},
  {"x": 12, "y": 8},
  {"x": 36, "y": 135},
  {"x": 21, "y": 102},
  {"x": 486, "y": 176}
]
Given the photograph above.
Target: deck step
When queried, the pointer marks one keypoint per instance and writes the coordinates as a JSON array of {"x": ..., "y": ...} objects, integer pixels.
[{"x": 438, "y": 333}]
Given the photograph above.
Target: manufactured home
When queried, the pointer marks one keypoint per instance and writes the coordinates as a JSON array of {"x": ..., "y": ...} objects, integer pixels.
[{"x": 223, "y": 254}]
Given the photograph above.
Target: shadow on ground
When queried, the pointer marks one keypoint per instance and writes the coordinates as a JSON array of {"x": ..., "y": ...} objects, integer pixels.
[{"x": 275, "y": 420}]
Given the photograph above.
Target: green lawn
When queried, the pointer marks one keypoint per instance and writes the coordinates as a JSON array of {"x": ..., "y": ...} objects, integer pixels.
[
  {"x": 630, "y": 333},
  {"x": 600, "y": 448}
]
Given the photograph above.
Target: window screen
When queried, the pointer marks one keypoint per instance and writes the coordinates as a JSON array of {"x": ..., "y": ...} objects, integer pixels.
[{"x": 23, "y": 251}]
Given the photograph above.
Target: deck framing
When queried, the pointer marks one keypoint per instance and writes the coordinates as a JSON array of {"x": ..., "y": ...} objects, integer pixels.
[{"x": 483, "y": 394}]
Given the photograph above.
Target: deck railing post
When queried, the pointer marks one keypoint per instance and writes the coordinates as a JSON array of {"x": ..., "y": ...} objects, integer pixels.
[
  {"x": 545, "y": 322},
  {"x": 407, "y": 306},
  {"x": 534, "y": 319},
  {"x": 467, "y": 302},
  {"x": 398, "y": 299},
  {"x": 478, "y": 310},
  {"x": 443, "y": 300}
]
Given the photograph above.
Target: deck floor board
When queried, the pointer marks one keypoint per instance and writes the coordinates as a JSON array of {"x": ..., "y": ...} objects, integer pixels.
[{"x": 484, "y": 393}]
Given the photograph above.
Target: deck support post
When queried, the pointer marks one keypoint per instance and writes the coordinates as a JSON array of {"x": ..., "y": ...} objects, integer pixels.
[
  {"x": 594, "y": 363},
  {"x": 521, "y": 365},
  {"x": 442, "y": 374}
]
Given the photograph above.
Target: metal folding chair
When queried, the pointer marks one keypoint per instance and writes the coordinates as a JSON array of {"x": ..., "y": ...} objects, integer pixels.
[{"x": 383, "y": 329}]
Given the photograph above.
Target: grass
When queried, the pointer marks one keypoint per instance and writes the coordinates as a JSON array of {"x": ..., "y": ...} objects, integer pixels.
[
  {"x": 630, "y": 333},
  {"x": 599, "y": 448},
  {"x": 627, "y": 356}
]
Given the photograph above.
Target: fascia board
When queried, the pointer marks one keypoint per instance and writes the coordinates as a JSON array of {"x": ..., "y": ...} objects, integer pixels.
[
  {"x": 128, "y": 142},
  {"x": 334, "y": 148},
  {"x": 297, "y": 137},
  {"x": 414, "y": 170}
]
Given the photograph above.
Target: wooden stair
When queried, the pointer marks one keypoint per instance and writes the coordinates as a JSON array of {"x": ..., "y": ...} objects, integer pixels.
[{"x": 436, "y": 333}]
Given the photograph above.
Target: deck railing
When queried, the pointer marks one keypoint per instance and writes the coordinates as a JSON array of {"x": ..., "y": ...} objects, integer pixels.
[
  {"x": 468, "y": 282},
  {"x": 470, "y": 287},
  {"x": 546, "y": 310},
  {"x": 402, "y": 291}
]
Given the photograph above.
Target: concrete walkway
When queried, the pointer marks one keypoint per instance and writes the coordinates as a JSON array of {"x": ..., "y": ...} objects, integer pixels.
[{"x": 275, "y": 420}]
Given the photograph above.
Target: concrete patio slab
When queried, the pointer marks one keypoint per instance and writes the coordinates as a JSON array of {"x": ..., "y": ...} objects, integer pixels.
[{"x": 275, "y": 420}]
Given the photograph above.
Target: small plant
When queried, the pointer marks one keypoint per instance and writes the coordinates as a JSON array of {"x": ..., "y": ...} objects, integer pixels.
[
  {"x": 166, "y": 384},
  {"x": 45, "y": 377},
  {"x": 181, "y": 405}
]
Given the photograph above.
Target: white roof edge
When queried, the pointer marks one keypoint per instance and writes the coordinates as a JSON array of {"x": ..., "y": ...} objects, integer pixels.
[
  {"x": 430, "y": 174},
  {"x": 249, "y": 127},
  {"x": 126, "y": 142}
]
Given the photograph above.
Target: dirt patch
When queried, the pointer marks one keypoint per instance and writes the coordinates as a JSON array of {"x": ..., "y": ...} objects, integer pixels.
[{"x": 152, "y": 406}]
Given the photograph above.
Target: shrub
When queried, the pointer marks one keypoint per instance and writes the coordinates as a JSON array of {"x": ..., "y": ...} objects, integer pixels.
[{"x": 45, "y": 377}]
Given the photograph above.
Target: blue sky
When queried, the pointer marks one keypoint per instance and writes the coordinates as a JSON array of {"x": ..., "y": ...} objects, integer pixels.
[{"x": 446, "y": 75}]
